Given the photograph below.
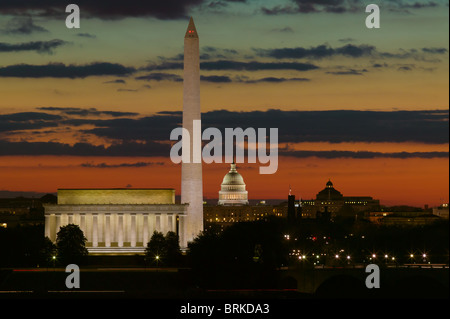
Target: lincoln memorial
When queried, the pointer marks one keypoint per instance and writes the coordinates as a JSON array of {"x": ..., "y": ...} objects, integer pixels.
[{"x": 117, "y": 221}]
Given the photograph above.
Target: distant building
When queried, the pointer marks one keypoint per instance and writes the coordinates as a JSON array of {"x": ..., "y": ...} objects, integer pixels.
[
  {"x": 408, "y": 216},
  {"x": 22, "y": 211},
  {"x": 232, "y": 192},
  {"x": 441, "y": 211},
  {"x": 408, "y": 219},
  {"x": 233, "y": 205},
  {"x": 116, "y": 221},
  {"x": 223, "y": 216},
  {"x": 330, "y": 203}
]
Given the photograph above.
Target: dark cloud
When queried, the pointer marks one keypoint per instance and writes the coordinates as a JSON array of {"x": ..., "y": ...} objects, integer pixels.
[
  {"x": 351, "y": 51},
  {"x": 361, "y": 154},
  {"x": 27, "y": 121},
  {"x": 22, "y": 25},
  {"x": 318, "y": 52},
  {"x": 105, "y": 165},
  {"x": 341, "y": 126},
  {"x": 83, "y": 149},
  {"x": 283, "y": 30},
  {"x": 86, "y": 35},
  {"x": 256, "y": 66},
  {"x": 60, "y": 70},
  {"x": 404, "y": 68},
  {"x": 435, "y": 50},
  {"x": 104, "y": 9},
  {"x": 38, "y": 46},
  {"x": 118, "y": 81},
  {"x": 272, "y": 79},
  {"x": 295, "y": 126},
  {"x": 420, "y": 5},
  {"x": 85, "y": 112},
  {"x": 215, "y": 78},
  {"x": 348, "y": 72},
  {"x": 127, "y": 90},
  {"x": 155, "y": 149},
  {"x": 314, "y": 6},
  {"x": 149, "y": 136},
  {"x": 235, "y": 66},
  {"x": 379, "y": 65},
  {"x": 219, "y": 78},
  {"x": 160, "y": 77},
  {"x": 163, "y": 66},
  {"x": 346, "y": 40},
  {"x": 342, "y": 6}
]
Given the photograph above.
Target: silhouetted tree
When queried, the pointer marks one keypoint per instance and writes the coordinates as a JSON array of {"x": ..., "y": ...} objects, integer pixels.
[
  {"x": 155, "y": 250},
  {"x": 163, "y": 250},
  {"x": 173, "y": 252},
  {"x": 71, "y": 245},
  {"x": 47, "y": 251},
  {"x": 228, "y": 259}
]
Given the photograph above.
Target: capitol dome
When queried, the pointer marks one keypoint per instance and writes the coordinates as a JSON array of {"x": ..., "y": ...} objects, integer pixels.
[{"x": 232, "y": 190}]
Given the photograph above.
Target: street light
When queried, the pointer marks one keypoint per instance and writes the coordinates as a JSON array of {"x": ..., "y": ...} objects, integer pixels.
[{"x": 54, "y": 261}]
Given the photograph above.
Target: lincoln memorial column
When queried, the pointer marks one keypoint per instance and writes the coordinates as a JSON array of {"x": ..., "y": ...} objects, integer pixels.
[
  {"x": 120, "y": 230},
  {"x": 83, "y": 223},
  {"x": 108, "y": 230},
  {"x": 170, "y": 222},
  {"x": 163, "y": 223},
  {"x": 94, "y": 230},
  {"x": 158, "y": 222},
  {"x": 70, "y": 220},
  {"x": 145, "y": 230},
  {"x": 152, "y": 224},
  {"x": 133, "y": 230}
]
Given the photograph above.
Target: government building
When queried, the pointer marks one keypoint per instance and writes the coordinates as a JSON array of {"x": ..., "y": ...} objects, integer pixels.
[
  {"x": 233, "y": 205},
  {"x": 116, "y": 221},
  {"x": 330, "y": 203}
]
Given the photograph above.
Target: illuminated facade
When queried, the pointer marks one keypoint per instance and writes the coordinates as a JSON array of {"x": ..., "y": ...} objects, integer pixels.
[
  {"x": 233, "y": 205},
  {"x": 116, "y": 221},
  {"x": 232, "y": 190},
  {"x": 331, "y": 203}
]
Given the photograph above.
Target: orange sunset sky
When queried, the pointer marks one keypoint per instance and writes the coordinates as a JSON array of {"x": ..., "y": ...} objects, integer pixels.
[{"x": 94, "y": 107}]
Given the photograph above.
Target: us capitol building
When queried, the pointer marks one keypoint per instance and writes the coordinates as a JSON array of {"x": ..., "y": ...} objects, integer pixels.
[
  {"x": 233, "y": 189},
  {"x": 233, "y": 205}
]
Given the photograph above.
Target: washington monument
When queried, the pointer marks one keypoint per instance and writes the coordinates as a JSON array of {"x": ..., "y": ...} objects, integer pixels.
[{"x": 191, "y": 173}]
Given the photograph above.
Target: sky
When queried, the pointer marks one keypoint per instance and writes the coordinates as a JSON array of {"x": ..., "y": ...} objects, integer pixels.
[{"x": 94, "y": 107}]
